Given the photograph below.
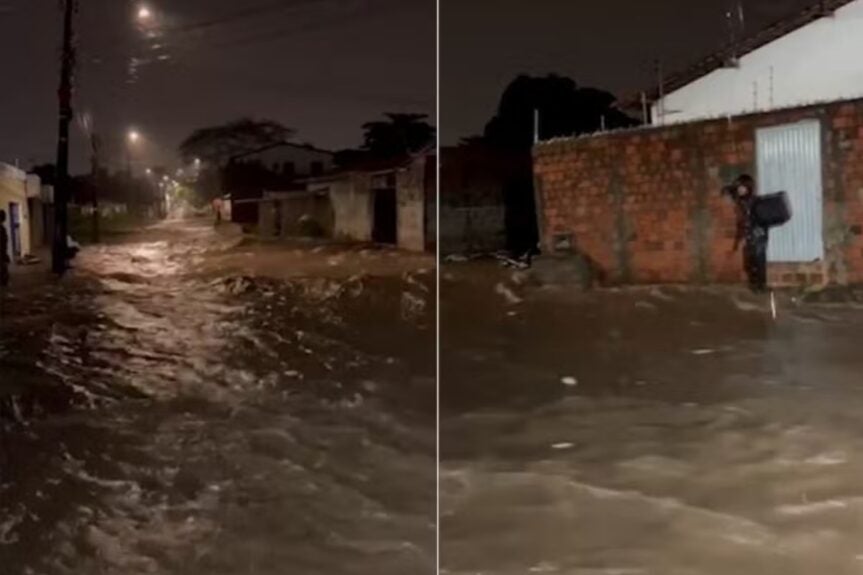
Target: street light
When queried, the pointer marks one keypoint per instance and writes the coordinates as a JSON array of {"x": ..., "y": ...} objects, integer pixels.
[
  {"x": 144, "y": 14},
  {"x": 134, "y": 136}
]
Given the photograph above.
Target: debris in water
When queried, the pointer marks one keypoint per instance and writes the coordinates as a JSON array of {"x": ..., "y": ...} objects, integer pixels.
[
  {"x": 508, "y": 294},
  {"x": 561, "y": 446},
  {"x": 456, "y": 258},
  {"x": 703, "y": 351},
  {"x": 412, "y": 306},
  {"x": 569, "y": 381}
]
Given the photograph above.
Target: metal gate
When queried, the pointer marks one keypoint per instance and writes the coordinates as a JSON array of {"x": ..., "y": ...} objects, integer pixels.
[{"x": 789, "y": 159}]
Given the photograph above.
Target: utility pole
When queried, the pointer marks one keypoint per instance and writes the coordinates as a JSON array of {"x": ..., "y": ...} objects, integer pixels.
[
  {"x": 59, "y": 258},
  {"x": 87, "y": 126},
  {"x": 95, "y": 182}
]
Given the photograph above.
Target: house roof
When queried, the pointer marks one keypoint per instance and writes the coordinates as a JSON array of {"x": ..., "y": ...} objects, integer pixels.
[
  {"x": 281, "y": 145},
  {"x": 11, "y": 172},
  {"x": 765, "y": 36},
  {"x": 375, "y": 165}
]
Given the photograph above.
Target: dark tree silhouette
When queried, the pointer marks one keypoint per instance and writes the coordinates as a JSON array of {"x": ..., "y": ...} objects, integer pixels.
[
  {"x": 47, "y": 173},
  {"x": 564, "y": 110},
  {"x": 218, "y": 144},
  {"x": 397, "y": 135}
]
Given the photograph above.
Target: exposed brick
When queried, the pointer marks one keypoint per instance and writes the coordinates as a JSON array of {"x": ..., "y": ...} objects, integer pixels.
[{"x": 654, "y": 183}]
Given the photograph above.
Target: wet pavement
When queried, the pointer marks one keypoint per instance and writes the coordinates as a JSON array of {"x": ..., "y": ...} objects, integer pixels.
[
  {"x": 647, "y": 431},
  {"x": 163, "y": 414}
]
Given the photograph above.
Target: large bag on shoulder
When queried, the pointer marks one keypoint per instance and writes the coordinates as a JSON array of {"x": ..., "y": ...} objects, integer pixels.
[{"x": 772, "y": 210}]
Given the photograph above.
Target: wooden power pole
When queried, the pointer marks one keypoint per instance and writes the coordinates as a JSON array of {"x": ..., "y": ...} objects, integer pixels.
[
  {"x": 95, "y": 182},
  {"x": 59, "y": 260}
]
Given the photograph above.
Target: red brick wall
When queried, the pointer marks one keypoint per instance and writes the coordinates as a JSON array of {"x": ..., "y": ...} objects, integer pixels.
[{"x": 645, "y": 205}]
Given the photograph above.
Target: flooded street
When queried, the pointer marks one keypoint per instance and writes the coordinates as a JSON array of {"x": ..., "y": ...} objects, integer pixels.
[
  {"x": 186, "y": 402},
  {"x": 647, "y": 431}
]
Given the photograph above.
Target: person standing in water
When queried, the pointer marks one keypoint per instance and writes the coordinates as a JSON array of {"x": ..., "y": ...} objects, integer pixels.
[{"x": 753, "y": 235}]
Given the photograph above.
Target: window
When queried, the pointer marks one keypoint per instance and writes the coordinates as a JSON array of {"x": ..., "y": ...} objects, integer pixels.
[
  {"x": 288, "y": 169},
  {"x": 317, "y": 168}
]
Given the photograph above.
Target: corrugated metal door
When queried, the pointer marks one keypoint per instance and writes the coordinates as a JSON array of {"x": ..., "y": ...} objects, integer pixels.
[{"x": 789, "y": 159}]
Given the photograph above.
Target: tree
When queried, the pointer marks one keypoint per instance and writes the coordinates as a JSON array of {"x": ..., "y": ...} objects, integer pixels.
[
  {"x": 564, "y": 109},
  {"x": 47, "y": 173},
  {"x": 218, "y": 144},
  {"x": 399, "y": 134}
]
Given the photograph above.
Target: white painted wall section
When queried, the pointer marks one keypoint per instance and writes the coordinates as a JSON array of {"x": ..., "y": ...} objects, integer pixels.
[{"x": 819, "y": 62}]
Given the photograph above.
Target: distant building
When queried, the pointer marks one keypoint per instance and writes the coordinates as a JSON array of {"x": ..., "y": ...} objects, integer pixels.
[
  {"x": 40, "y": 206},
  {"x": 384, "y": 201},
  {"x": 296, "y": 214},
  {"x": 13, "y": 199},
  {"x": 276, "y": 167}
]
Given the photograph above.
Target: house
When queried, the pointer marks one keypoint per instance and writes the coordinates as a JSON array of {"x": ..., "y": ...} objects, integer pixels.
[
  {"x": 276, "y": 167},
  {"x": 384, "y": 201},
  {"x": 290, "y": 159},
  {"x": 40, "y": 206},
  {"x": 486, "y": 199},
  {"x": 296, "y": 214},
  {"x": 811, "y": 56},
  {"x": 14, "y": 201},
  {"x": 644, "y": 205}
]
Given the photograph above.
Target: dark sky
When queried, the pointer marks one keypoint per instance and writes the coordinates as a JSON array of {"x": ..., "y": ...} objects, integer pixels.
[
  {"x": 323, "y": 67},
  {"x": 609, "y": 44}
]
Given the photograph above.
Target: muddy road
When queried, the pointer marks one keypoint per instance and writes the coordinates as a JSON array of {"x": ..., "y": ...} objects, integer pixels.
[
  {"x": 647, "y": 431},
  {"x": 164, "y": 412}
]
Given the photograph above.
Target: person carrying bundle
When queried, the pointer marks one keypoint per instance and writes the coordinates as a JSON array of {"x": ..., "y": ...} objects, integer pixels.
[{"x": 751, "y": 232}]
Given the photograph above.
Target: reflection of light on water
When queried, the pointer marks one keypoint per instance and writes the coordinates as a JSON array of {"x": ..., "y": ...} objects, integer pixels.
[{"x": 257, "y": 426}]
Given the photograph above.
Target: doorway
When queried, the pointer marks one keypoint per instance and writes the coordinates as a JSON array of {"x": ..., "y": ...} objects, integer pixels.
[
  {"x": 385, "y": 228},
  {"x": 15, "y": 229},
  {"x": 789, "y": 160}
]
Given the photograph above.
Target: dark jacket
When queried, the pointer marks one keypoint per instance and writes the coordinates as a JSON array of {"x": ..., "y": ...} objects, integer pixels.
[{"x": 748, "y": 229}]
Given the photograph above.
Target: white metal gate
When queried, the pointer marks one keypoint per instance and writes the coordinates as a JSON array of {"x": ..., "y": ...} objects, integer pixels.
[{"x": 789, "y": 160}]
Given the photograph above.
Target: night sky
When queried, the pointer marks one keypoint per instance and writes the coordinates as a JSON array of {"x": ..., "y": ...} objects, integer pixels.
[
  {"x": 609, "y": 44},
  {"x": 322, "y": 67}
]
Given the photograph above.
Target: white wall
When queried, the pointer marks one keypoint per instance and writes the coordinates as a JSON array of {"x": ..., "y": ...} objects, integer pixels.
[
  {"x": 13, "y": 188},
  {"x": 352, "y": 207},
  {"x": 819, "y": 62},
  {"x": 411, "y": 205},
  {"x": 34, "y": 186}
]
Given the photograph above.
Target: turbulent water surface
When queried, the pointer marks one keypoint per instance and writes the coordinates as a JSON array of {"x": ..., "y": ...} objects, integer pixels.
[
  {"x": 162, "y": 417},
  {"x": 648, "y": 431}
]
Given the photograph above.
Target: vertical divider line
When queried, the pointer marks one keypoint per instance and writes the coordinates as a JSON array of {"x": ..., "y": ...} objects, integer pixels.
[{"x": 437, "y": 282}]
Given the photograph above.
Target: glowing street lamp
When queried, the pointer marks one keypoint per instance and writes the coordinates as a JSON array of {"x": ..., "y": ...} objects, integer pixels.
[
  {"x": 144, "y": 14},
  {"x": 133, "y": 137}
]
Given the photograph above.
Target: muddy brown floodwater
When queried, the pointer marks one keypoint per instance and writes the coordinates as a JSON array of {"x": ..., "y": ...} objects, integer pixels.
[
  {"x": 189, "y": 403},
  {"x": 647, "y": 431}
]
